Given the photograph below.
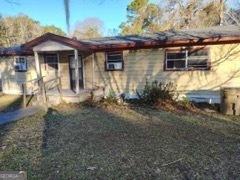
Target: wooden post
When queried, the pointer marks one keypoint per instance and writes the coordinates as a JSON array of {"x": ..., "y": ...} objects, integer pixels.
[
  {"x": 76, "y": 70},
  {"x": 43, "y": 91},
  {"x": 40, "y": 78},
  {"x": 24, "y": 95},
  {"x": 60, "y": 87},
  {"x": 38, "y": 65},
  {"x": 93, "y": 69}
]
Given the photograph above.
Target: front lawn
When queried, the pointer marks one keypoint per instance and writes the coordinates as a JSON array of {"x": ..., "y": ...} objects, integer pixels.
[{"x": 116, "y": 142}]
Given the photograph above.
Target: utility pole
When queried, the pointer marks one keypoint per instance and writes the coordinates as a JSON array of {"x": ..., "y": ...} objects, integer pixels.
[{"x": 221, "y": 12}]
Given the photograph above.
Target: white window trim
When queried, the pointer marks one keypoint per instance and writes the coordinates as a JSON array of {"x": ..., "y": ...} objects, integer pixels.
[
  {"x": 26, "y": 63},
  {"x": 58, "y": 62},
  {"x": 166, "y": 60},
  {"x": 186, "y": 61}
]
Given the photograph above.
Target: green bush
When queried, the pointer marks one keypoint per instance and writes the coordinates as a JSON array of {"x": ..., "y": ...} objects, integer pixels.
[
  {"x": 185, "y": 102},
  {"x": 157, "y": 91},
  {"x": 111, "y": 97}
]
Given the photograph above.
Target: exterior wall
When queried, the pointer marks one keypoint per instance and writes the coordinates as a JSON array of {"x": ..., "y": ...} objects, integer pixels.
[
  {"x": 63, "y": 70},
  {"x": 11, "y": 80},
  {"x": 88, "y": 71},
  {"x": 140, "y": 65}
]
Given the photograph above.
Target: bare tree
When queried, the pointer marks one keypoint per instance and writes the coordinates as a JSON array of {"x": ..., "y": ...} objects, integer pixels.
[
  {"x": 232, "y": 15},
  {"x": 91, "y": 27},
  {"x": 67, "y": 12}
]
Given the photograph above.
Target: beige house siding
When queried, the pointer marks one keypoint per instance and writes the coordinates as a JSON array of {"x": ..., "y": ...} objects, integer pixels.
[
  {"x": 11, "y": 80},
  {"x": 63, "y": 67},
  {"x": 88, "y": 71},
  {"x": 140, "y": 65}
]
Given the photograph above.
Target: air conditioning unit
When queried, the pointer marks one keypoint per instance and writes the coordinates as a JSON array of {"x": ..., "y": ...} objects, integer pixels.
[{"x": 113, "y": 66}]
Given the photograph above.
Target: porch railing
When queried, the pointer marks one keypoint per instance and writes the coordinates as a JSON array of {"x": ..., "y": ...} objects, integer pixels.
[
  {"x": 37, "y": 89},
  {"x": 42, "y": 88},
  {"x": 52, "y": 84}
]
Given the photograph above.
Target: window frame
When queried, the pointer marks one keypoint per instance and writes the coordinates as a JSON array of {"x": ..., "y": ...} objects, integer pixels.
[
  {"x": 46, "y": 63},
  {"x": 106, "y": 61},
  {"x": 187, "y": 50},
  {"x": 15, "y": 63}
]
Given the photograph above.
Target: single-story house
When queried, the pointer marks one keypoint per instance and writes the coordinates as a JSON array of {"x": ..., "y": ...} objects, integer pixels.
[{"x": 199, "y": 61}]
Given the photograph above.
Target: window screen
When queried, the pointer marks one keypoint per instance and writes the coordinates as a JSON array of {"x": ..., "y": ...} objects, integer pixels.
[
  {"x": 20, "y": 64},
  {"x": 184, "y": 60}
]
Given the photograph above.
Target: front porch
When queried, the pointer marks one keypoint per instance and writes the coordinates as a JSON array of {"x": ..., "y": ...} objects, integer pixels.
[
  {"x": 66, "y": 72},
  {"x": 67, "y": 65}
]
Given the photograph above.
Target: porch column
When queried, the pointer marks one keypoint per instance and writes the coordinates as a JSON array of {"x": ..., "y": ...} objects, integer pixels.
[
  {"x": 39, "y": 77},
  {"x": 76, "y": 70},
  {"x": 37, "y": 64}
]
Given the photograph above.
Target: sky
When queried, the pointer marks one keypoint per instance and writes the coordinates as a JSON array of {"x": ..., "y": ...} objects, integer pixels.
[
  {"x": 51, "y": 12},
  {"x": 48, "y": 12}
]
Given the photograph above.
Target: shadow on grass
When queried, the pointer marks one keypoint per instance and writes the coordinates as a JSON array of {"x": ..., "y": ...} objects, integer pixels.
[{"x": 99, "y": 142}]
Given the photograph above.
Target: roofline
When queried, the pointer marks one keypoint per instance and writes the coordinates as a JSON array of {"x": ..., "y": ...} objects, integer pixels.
[
  {"x": 168, "y": 43},
  {"x": 83, "y": 46},
  {"x": 15, "y": 53},
  {"x": 60, "y": 39}
]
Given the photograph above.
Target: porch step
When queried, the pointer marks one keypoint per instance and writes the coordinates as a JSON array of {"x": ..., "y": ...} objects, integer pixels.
[{"x": 54, "y": 97}]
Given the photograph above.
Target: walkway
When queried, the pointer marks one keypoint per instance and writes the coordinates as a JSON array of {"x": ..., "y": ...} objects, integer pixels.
[{"x": 18, "y": 114}]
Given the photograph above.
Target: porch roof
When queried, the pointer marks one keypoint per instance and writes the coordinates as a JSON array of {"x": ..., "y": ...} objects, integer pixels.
[{"x": 73, "y": 43}]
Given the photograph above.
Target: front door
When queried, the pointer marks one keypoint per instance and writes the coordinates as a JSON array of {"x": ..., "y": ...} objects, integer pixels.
[{"x": 72, "y": 72}]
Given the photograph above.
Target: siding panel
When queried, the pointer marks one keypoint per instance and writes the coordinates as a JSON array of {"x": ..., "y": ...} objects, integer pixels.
[{"x": 140, "y": 65}]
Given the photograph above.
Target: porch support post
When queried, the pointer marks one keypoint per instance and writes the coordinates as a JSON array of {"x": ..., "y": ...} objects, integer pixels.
[
  {"x": 93, "y": 69},
  {"x": 37, "y": 64},
  {"x": 76, "y": 70},
  {"x": 41, "y": 85}
]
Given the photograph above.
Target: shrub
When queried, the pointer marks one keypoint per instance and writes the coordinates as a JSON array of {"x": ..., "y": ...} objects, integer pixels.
[
  {"x": 185, "y": 104},
  {"x": 111, "y": 97},
  {"x": 157, "y": 91}
]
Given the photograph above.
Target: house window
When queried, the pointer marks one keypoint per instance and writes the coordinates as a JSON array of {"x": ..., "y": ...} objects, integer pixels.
[
  {"x": 187, "y": 60},
  {"x": 20, "y": 64},
  {"x": 51, "y": 62},
  {"x": 114, "y": 61}
]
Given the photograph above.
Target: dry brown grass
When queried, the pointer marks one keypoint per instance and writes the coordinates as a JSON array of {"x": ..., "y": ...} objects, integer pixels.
[{"x": 122, "y": 142}]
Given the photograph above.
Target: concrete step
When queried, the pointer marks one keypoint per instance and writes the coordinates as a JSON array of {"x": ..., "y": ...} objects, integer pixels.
[{"x": 56, "y": 99}]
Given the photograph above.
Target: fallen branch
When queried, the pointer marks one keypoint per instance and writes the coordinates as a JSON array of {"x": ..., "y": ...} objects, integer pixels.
[{"x": 173, "y": 162}]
